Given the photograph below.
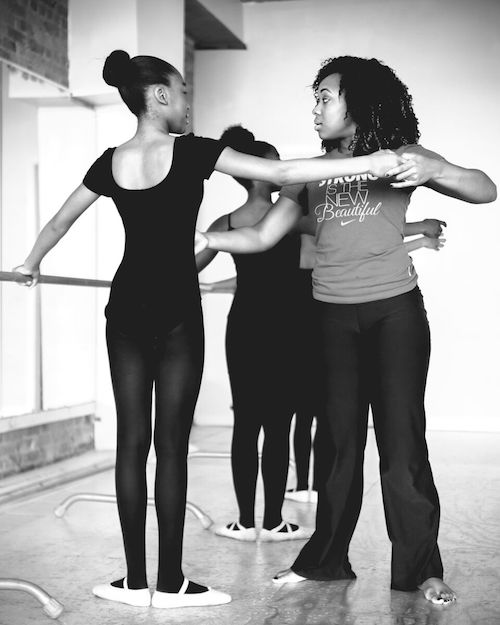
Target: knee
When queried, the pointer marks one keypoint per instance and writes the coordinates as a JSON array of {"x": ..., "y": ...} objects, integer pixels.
[{"x": 134, "y": 446}]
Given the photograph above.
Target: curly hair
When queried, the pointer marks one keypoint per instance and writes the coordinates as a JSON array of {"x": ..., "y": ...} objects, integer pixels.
[
  {"x": 377, "y": 101},
  {"x": 243, "y": 140}
]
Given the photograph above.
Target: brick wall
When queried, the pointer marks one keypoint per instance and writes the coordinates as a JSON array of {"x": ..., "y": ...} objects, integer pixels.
[
  {"x": 29, "y": 448},
  {"x": 34, "y": 34}
]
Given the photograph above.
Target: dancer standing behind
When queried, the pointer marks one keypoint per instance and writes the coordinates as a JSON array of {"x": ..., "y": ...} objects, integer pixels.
[
  {"x": 154, "y": 336},
  {"x": 375, "y": 340},
  {"x": 261, "y": 353}
]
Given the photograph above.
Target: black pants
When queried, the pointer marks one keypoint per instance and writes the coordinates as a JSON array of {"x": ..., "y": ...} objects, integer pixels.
[
  {"x": 173, "y": 365},
  {"x": 376, "y": 353},
  {"x": 260, "y": 357}
]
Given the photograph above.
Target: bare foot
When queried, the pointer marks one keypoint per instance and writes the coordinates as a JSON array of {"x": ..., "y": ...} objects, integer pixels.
[
  {"x": 437, "y": 591},
  {"x": 288, "y": 577}
]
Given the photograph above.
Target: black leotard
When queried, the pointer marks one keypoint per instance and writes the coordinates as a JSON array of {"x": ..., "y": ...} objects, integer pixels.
[
  {"x": 157, "y": 282},
  {"x": 155, "y": 338}
]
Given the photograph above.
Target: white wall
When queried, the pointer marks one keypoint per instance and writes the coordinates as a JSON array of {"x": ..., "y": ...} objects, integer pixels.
[
  {"x": 68, "y": 313},
  {"x": 447, "y": 53},
  {"x": 152, "y": 27},
  {"x": 18, "y": 205}
]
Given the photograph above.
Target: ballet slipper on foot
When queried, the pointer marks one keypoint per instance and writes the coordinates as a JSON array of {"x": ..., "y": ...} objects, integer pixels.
[
  {"x": 182, "y": 600},
  {"x": 302, "y": 496},
  {"x": 436, "y": 591},
  {"x": 237, "y": 531},
  {"x": 140, "y": 597},
  {"x": 288, "y": 577},
  {"x": 285, "y": 531}
]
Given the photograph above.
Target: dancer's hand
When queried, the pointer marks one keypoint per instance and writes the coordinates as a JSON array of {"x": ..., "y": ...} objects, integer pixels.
[
  {"x": 31, "y": 275},
  {"x": 434, "y": 243},
  {"x": 200, "y": 242},
  {"x": 386, "y": 163},
  {"x": 433, "y": 228},
  {"x": 426, "y": 165}
]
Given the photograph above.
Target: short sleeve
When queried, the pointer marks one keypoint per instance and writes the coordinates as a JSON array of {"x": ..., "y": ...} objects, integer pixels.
[
  {"x": 298, "y": 194},
  {"x": 98, "y": 178},
  {"x": 204, "y": 152}
]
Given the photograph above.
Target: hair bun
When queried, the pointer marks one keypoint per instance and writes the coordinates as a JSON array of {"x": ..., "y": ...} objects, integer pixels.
[
  {"x": 117, "y": 69},
  {"x": 238, "y": 138}
]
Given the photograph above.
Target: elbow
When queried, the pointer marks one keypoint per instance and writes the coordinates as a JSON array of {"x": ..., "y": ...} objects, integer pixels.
[
  {"x": 283, "y": 174},
  {"x": 492, "y": 195},
  {"x": 58, "y": 229},
  {"x": 487, "y": 196},
  {"x": 265, "y": 241},
  {"x": 488, "y": 192}
]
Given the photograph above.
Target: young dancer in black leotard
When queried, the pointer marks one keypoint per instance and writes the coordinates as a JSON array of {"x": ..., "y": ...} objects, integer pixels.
[
  {"x": 154, "y": 334},
  {"x": 374, "y": 331},
  {"x": 261, "y": 352}
]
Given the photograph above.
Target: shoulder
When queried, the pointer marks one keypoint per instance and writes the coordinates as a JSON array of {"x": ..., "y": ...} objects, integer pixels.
[
  {"x": 203, "y": 152},
  {"x": 191, "y": 140},
  {"x": 99, "y": 177}
]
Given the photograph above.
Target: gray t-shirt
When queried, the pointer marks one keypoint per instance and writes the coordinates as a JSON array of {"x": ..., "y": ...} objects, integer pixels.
[{"x": 360, "y": 253}]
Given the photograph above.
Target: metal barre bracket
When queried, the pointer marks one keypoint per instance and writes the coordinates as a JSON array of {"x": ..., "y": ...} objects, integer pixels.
[
  {"x": 51, "y": 606},
  {"x": 60, "y": 511}
]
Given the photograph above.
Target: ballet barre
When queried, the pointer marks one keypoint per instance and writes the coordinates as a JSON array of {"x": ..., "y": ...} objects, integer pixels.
[
  {"x": 19, "y": 278},
  {"x": 226, "y": 455},
  {"x": 50, "y": 606},
  {"x": 60, "y": 510}
]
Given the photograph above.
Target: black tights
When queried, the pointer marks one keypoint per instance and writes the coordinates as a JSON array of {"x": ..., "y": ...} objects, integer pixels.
[
  {"x": 245, "y": 461},
  {"x": 302, "y": 442},
  {"x": 173, "y": 365},
  {"x": 260, "y": 361}
]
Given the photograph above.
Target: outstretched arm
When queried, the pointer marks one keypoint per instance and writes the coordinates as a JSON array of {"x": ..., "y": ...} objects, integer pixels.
[
  {"x": 429, "y": 227},
  {"x": 76, "y": 204},
  {"x": 381, "y": 163},
  {"x": 220, "y": 286},
  {"x": 429, "y": 242},
  {"x": 279, "y": 220},
  {"x": 206, "y": 256},
  {"x": 433, "y": 171}
]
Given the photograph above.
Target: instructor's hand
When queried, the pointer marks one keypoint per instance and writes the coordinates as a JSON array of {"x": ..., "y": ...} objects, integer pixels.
[{"x": 386, "y": 163}]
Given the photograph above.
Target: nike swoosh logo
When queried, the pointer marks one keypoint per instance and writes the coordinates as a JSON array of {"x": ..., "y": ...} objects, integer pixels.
[{"x": 344, "y": 223}]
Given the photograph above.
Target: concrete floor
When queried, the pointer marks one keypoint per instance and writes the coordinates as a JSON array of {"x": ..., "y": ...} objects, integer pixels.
[{"x": 68, "y": 556}]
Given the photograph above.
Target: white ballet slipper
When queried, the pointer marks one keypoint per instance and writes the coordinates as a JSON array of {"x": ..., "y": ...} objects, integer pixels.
[
  {"x": 288, "y": 577},
  {"x": 237, "y": 531},
  {"x": 182, "y": 600},
  {"x": 275, "y": 535},
  {"x": 302, "y": 496},
  {"x": 140, "y": 597}
]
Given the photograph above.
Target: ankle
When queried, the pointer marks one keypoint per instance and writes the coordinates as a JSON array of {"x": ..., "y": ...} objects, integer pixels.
[{"x": 270, "y": 526}]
